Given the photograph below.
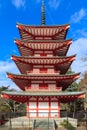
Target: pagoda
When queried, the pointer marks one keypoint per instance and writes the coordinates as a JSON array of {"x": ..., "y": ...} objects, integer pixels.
[{"x": 43, "y": 67}]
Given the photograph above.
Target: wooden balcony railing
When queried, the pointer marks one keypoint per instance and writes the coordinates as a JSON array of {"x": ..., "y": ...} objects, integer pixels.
[{"x": 42, "y": 89}]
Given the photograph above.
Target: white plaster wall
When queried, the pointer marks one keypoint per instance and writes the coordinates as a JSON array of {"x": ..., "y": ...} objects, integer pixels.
[
  {"x": 43, "y": 109},
  {"x": 43, "y": 113},
  {"x": 43, "y": 105},
  {"x": 54, "y": 104},
  {"x": 32, "y": 105},
  {"x": 32, "y": 113}
]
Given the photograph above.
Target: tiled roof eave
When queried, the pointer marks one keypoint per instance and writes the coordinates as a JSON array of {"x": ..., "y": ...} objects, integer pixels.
[
  {"x": 45, "y": 57},
  {"x": 40, "y": 26},
  {"x": 43, "y": 93},
  {"x": 42, "y": 41},
  {"x": 43, "y": 74}
]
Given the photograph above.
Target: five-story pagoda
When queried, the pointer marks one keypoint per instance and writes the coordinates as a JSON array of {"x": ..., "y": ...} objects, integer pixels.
[{"x": 43, "y": 67}]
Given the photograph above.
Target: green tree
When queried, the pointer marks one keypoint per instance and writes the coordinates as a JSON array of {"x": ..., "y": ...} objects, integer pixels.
[
  {"x": 74, "y": 86},
  {"x": 67, "y": 125},
  {"x": 83, "y": 87},
  {"x": 77, "y": 105},
  {"x": 9, "y": 105}
]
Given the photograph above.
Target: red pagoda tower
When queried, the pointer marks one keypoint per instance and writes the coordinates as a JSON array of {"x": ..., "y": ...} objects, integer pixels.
[{"x": 43, "y": 67}]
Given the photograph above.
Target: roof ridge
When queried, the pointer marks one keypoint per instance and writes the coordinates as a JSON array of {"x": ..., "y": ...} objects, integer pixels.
[{"x": 43, "y": 26}]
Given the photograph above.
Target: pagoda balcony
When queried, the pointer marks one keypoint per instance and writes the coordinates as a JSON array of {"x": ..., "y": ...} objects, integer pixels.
[
  {"x": 43, "y": 89},
  {"x": 58, "y": 72},
  {"x": 45, "y": 71}
]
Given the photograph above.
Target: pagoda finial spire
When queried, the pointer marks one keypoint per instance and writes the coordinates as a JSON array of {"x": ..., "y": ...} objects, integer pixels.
[{"x": 43, "y": 13}]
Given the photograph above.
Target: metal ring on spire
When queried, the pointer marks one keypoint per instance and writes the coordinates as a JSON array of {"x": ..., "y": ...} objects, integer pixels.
[{"x": 43, "y": 13}]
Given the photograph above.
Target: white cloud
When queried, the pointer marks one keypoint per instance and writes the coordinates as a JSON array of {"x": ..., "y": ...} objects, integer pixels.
[
  {"x": 54, "y": 3},
  {"x": 18, "y": 3},
  {"x": 82, "y": 32},
  {"x": 79, "y": 47},
  {"x": 6, "y": 66},
  {"x": 77, "y": 16},
  {"x": 7, "y": 82}
]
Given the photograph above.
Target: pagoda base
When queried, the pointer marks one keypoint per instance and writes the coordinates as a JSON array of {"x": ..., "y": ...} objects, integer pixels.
[
  {"x": 43, "y": 109},
  {"x": 24, "y": 122}
]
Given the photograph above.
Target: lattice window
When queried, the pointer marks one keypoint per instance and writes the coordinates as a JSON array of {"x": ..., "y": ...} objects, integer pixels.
[
  {"x": 50, "y": 70},
  {"x": 36, "y": 71},
  {"x": 37, "y": 55},
  {"x": 35, "y": 86},
  {"x": 52, "y": 86},
  {"x": 48, "y": 55}
]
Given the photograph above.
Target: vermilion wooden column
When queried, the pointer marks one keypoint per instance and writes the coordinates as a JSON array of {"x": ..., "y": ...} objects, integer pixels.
[
  {"x": 58, "y": 109},
  {"x": 27, "y": 109},
  {"x": 37, "y": 107},
  {"x": 49, "y": 107}
]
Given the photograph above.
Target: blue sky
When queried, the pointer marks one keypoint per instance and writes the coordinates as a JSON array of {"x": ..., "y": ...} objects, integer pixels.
[{"x": 29, "y": 12}]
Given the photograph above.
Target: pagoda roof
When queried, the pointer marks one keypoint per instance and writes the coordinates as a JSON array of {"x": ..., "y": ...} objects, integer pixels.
[
  {"x": 23, "y": 80},
  {"x": 24, "y": 96},
  {"x": 47, "y": 45},
  {"x": 43, "y": 44},
  {"x": 32, "y": 32},
  {"x": 64, "y": 62}
]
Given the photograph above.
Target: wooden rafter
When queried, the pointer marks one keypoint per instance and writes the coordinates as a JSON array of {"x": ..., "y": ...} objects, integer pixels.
[
  {"x": 62, "y": 98},
  {"x": 40, "y": 31}
]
